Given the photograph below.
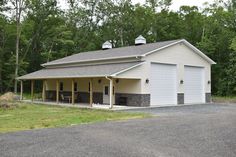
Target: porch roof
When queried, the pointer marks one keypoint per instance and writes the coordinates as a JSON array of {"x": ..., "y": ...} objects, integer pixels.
[{"x": 100, "y": 70}]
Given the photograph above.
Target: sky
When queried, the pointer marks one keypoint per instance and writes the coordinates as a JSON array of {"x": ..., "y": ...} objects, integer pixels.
[{"x": 175, "y": 3}]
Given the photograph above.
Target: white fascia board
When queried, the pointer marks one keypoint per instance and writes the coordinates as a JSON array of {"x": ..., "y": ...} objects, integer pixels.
[
  {"x": 61, "y": 77},
  {"x": 89, "y": 60},
  {"x": 127, "y": 69},
  {"x": 150, "y": 52},
  {"x": 198, "y": 52}
]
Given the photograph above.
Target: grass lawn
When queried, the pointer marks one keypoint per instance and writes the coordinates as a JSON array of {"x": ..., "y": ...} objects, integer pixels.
[
  {"x": 31, "y": 116},
  {"x": 219, "y": 99}
]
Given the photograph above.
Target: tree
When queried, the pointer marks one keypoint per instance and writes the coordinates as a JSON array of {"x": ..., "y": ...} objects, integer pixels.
[
  {"x": 231, "y": 71},
  {"x": 43, "y": 18},
  {"x": 3, "y": 37},
  {"x": 18, "y": 6},
  {"x": 163, "y": 4}
]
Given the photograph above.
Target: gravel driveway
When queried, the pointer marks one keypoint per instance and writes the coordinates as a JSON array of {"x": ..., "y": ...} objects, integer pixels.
[{"x": 188, "y": 131}]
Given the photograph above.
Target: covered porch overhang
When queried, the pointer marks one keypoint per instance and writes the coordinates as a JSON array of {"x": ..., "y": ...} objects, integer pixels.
[{"x": 110, "y": 73}]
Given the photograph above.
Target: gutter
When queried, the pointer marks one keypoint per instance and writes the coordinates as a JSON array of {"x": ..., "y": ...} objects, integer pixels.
[{"x": 89, "y": 60}]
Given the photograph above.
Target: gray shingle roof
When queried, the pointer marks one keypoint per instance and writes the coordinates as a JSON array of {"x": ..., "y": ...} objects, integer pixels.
[
  {"x": 111, "y": 53},
  {"x": 79, "y": 71}
]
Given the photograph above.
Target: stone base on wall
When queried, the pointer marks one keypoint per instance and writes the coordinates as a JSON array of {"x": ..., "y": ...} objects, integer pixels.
[
  {"x": 50, "y": 95},
  {"x": 82, "y": 97},
  {"x": 140, "y": 100},
  {"x": 180, "y": 98},
  {"x": 98, "y": 98},
  {"x": 208, "y": 97}
]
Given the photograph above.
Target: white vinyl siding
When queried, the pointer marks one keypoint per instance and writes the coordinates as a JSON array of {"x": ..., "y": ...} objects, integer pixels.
[
  {"x": 194, "y": 85},
  {"x": 163, "y": 84}
]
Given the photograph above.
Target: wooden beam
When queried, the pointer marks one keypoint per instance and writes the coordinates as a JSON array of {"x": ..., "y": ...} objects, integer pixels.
[
  {"x": 32, "y": 90},
  {"x": 57, "y": 91},
  {"x": 111, "y": 93},
  {"x": 73, "y": 92},
  {"x": 43, "y": 91},
  {"x": 91, "y": 93},
  {"x": 21, "y": 90}
]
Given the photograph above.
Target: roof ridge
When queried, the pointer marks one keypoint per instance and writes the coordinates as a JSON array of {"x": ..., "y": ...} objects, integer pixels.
[
  {"x": 108, "y": 51},
  {"x": 83, "y": 65},
  {"x": 128, "y": 46}
]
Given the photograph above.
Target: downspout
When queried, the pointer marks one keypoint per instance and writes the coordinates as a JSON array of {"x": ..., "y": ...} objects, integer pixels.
[{"x": 111, "y": 91}]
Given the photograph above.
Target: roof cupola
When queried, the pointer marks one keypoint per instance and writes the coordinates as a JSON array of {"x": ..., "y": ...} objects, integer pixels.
[
  {"x": 140, "y": 40},
  {"x": 106, "y": 45}
]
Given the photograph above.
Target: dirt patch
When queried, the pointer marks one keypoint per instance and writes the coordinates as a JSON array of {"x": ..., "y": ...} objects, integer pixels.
[{"x": 9, "y": 96}]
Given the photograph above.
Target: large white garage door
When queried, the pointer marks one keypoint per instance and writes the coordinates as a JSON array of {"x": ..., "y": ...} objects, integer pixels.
[
  {"x": 194, "y": 85},
  {"x": 163, "y": 84}
]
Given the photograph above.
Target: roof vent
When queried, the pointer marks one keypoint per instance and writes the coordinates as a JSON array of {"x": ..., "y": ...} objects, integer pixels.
[
  {"x": 106, "y": 45},
  {"x": 140, "y": 40}
]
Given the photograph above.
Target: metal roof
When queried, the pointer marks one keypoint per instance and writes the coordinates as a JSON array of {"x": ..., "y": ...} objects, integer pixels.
[
  {"x": 122, "y": 52},
  {"x": 101, "y": 70}
]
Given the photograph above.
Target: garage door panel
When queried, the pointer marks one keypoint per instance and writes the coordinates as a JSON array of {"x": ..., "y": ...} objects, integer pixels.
[
  {"x": 194, "y": 85},
  {"x": 163, "y": 84}
]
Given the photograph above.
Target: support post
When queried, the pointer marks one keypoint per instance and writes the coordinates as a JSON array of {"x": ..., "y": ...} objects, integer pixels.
[
  {"x": 111, "y": 93},
  {"x": 32, "y": 90},
  {"x": 73, "y": 92},
  {"x": 57, "y": 91},
  {"x": 43, "y": 91},
  {"x": 21, "y": 90},
  {"x": 91, "y": 93}
]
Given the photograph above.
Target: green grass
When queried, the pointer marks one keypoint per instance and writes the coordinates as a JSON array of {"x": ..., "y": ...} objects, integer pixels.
[
  {"x": 31, "y": 116},
  {"x": 219, "y": 99}
]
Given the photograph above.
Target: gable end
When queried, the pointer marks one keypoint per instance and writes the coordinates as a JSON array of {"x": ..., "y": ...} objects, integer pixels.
[{"x": 186, "y": 43}]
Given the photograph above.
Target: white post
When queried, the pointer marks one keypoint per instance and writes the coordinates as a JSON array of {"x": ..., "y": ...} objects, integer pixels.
[
  {"x": 21, "y": 90},
  {"x": 57, "y": 91},
  {"x": 73, "y": 92},
  {"x": 91, "y": 93},
  {"x": 43, "y": 90},
  {"x": 111, "y": 93},
  {"x": 32, "y": 90}
]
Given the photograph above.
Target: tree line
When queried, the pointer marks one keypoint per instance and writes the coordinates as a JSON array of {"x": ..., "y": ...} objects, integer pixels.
[{"x": 33, "y": 32}]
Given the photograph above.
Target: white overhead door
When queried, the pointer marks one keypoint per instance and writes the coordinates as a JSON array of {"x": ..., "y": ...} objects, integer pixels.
[
  {"x": 163, "y": 84},
  {"x": 194, "y": 85}
]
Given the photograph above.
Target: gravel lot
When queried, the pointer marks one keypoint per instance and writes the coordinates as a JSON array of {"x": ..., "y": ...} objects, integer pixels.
[{"x": 207, "y": 130}]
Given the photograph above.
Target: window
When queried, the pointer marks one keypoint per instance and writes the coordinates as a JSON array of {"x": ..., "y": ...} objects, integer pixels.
[
  {"x": 61, "y": 86},
  {"x": 75, "y": 86},
  {"x": 106, "y": 90}
]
